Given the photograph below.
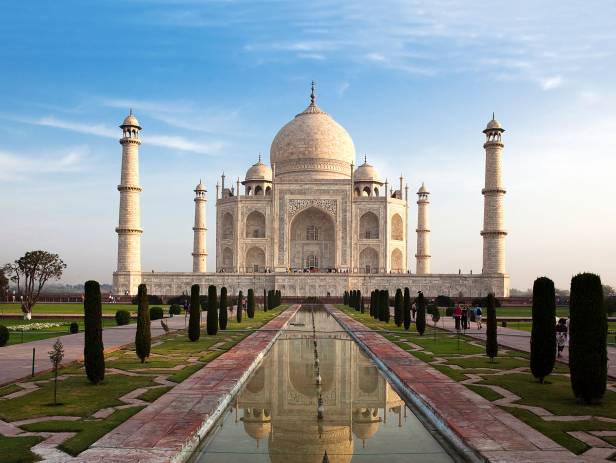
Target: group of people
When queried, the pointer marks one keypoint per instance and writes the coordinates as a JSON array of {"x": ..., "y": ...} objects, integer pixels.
[{"x": 462, "y": 315}]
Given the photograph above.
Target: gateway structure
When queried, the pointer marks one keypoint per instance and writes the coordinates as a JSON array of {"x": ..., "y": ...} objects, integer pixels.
[{"x": 312, "y": 223}]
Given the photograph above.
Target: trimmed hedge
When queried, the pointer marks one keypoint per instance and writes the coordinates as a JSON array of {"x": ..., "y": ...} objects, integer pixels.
[
  {"x": 398, "y": 308},
  {"x": 156, "y": 313},
  {"x": 491, "y": 334},
  {"x": 406, "y": 308},
  {"x": 420, "y": 321},
  {"x": 543, "y": 333},
  {"x": 588, "y": 338},
  {"x": 194, "y": 321},
  {"x": 222, "y": 313},
  {"x": 238, "y": 315},
  {"x": 93, "y": 356},
  {"x": 74, "y": 328},
  {"x": 250, "y": 303},
  {"x": 5, "y": 334},
  {"x": 211, "y": 323},
  {"x": 122, "y": 317},
  {"x": 175, "y": 309},
  {"x": 151, "y": 300},
  {"x": 143, "y": 336}
]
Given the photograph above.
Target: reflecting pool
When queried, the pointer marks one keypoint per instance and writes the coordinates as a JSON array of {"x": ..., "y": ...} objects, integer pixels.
[{"x": 303, "y": 402}]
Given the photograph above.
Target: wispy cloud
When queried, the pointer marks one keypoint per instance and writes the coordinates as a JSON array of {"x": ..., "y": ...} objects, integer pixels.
[
  {"x": 550, "y": 83},
  {"x": 14, "y": 166},
  {"x": 101, "y": 130}
]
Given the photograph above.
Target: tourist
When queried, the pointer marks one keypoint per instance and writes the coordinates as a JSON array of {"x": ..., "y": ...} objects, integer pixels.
[
  {"x": 464, "y": 318},
  {"x": 561, "y": 335},
  {"x": 413, "y": 311},
  {"x": 478, "y": 317},
  {"x": 457, "y": 314}
]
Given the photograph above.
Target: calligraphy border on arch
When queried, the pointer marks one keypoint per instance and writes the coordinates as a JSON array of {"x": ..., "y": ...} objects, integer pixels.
[{"x": 295, "y": 206}]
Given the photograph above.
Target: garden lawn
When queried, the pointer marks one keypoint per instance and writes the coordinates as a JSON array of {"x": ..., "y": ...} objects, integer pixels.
[
  {"x": 67, "y": 308},
  {"x": 173, "y": 356},
  {"x": 17, "y": 449},
  {"x": 511, "y": 371},
  {"x": 17, "y": 337}
]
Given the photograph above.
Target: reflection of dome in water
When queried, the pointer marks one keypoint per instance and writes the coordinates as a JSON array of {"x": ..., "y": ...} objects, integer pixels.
[
  {"x": 365, "y": 423},
  {"x": 302, "y": 443},
  {"x": 257, "y": 423}
]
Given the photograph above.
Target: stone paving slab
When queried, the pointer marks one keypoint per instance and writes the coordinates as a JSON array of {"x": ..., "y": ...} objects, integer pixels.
[
  {"x": 170, "y": 427},
  {"x": 489, "y": 431}
]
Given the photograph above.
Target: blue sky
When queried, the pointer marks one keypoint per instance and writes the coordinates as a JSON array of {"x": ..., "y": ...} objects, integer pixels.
[{"x": 414, "y": 83}]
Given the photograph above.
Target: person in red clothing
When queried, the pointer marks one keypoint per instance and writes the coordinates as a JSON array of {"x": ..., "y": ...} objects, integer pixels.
[{"x": 457, "y": 314}]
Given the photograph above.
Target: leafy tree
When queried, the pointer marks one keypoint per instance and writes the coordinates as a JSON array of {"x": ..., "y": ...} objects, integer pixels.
[
  {"x": 4, "y": 281},
  {"x": 588, "y": 338},
  {"x": 194, "y": 320},
  {"x": 143, "y": 336},
  {"x": 240, "y": 300},
  {"x": 436, "y": 315},
  {"x": 250, "y": 303},
  {"x": 398, "y": 308},
  {"x": 31, "y": 272},
  {"x": 223, "y": 315},
  {"x": 56, "y": 354},
  {"x": 491, "y": 335},
  {"x": 444, "y": 301},
  {"x": 93, "y": 348},
  {"x": 420, "y": 321},
  {"x": 543, "y": 334},
  {"x": 406, "y": 308},
  {"x": 211, "y": 322}
]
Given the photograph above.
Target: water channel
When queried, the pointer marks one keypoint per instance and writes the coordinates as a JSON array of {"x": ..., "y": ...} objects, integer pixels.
[{"x": 309, "y": 398}]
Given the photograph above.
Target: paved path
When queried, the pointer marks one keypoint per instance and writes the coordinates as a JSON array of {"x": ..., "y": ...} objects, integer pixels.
[
  {"x": 520, "y": 340},
  {"x": 16, "y": 360},
  {"x": 489, "y": 431},
  {"x": 171, "y": 427}
]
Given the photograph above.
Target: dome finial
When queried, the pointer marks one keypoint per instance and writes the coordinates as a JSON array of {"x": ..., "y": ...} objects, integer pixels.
[
  {"x": 365, "y": 159},
  {"x": 313, "y": 97},
  {"x": 259, "y": 157}
]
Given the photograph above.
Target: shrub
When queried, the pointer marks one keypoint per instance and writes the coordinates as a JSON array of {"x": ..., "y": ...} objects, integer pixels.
[
  {"x": 436, "y": 315},
  {"x": 222, "y": 315},
  {"x": 74, "y": 328},
  {"x": 151, "y": 300},
  {"x": 420, "y": 322},
  {"x": 483, "y": 302},
  {"x": 211, "y": 323},
  {"x": 398, "y": 308},
  {"x": 175, "y": 309},
  {"x": 240, "y": 300},
  {"x": 122, "y": 317},
  {"x": 143, "y": 336},
  {"x": 250, "y": 304},
  {"x": 93, "y": 357},
  {"x": 194, "y": 322},
  {"x": 449, "y": 311},
  {"x": 588, "y": 338},
  {"x": 491, "y": 335},
  {"x": 543, "y": 334},
  {"x": 4, "y": 335},
  {"x": 444, "y": 301},
  {"x": 156, "y": 313},
  {"x": 406, "y": 308},
  {"x": 610, "y": 304}
]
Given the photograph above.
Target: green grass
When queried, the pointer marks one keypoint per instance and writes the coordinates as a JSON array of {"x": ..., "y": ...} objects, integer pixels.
[
  {"x": 17, "y": 449},
  {"x": 78, "y": 397},
  {"x": 485, "y": 392},
  {"x": 72, "y": 308},
  {"x": 87, "y": 431},
  {"x": 526, "y": 311},
  {"x": 6, "y": 390},
  {"x": 500, "y": 363},
  {"x": 18, "y": 337}
]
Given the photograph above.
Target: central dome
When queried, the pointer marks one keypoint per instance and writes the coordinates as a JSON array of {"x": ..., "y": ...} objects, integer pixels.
[{"x": 312, "y": 145}]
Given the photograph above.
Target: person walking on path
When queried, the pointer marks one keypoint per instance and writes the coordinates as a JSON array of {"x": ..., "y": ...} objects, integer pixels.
[
  {"x": 478, "y": 317},
  {"x": 464, "y": 318},
  {"x": 413, "y": 311},
  {"x": 561, "y": 335},
  {"x": 457, "y": 314}
]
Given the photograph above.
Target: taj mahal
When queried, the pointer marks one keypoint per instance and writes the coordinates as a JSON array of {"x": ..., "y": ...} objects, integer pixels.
[{"x": 313, "y": 222}]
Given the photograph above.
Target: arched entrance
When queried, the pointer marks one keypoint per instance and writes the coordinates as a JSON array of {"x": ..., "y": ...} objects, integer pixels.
[{"x": 313, "y": 241}]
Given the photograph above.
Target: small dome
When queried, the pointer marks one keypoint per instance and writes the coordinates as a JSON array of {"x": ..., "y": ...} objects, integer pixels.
[
  {"x": 131, "y": 120},
  {"x": 366, "y": 173},
  {"x": 259, "y": 171},
  {"x": 258, "y": 429},
  {"x": 423, "y": 190},
  {"x": 494, "y": 124},
  {"x": 200, "y": 187}
]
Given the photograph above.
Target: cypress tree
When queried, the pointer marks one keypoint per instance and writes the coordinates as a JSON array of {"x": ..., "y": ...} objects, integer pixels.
[
  {"x": 588, "y": 338},
  {"x": 211, "y": 322},
  {"x": 250, "y": 304},
  {"x": 398, "y": 308},
  {"x": 278, "y": 297},
  {"x": 93, "y": 348},
  {"x": 240, "y": 299},
  {"x": 351, "y": 301},
  {"x": 194, "y": 321},
  {"x": 223, "y": 315},
  {"x": 406, "y": 308},
  {"x": 381, "y": 305},
  {"x": 376, "y": 308},
  {"x": 143, "y": 336},
  {"x": 345, "y": 298},
  {"x": 543, "y": 334},
  {"x": 358, "y": 300},
  {"x": 491, "y": 336},
  {"x": 420, "y": 321},
  {"x": 265, "y": 301},
  {"x": 362, "y": 309}
]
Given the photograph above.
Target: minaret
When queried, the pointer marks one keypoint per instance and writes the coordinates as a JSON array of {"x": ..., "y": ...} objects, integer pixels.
[
  {"x": 129, "y": 228},
  {"x": 493, "y": 202},
  {"x": 199, "y": 246},
  {"x": 423, "y": 232}
]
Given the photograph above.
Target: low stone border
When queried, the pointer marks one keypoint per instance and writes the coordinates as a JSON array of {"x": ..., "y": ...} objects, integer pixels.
[
  {"x": 172, "y": 427},
  {"x": 478, "y": 429}
]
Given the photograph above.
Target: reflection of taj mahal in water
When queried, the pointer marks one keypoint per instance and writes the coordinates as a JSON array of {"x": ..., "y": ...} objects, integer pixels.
[
  {"x": 313, "y": 223},
  {"x": 278, "y": 406}
]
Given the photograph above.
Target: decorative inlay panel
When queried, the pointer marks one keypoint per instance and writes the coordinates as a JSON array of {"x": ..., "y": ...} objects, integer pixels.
[{"x": 297, "y": 205}]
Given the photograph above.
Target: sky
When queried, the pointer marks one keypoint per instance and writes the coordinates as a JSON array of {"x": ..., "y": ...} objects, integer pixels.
[{"x": 414, "y": 83}]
